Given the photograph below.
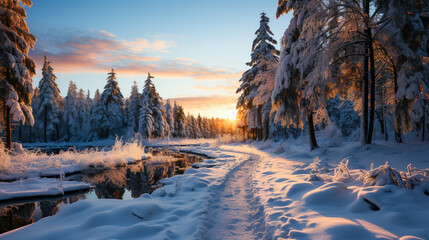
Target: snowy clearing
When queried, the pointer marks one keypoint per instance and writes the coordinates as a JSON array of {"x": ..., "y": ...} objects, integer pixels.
[{"x": 264, "y": 190}]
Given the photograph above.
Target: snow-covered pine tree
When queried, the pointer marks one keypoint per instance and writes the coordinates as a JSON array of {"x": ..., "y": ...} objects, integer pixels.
[
  {"x": 191, "y": 126},
  {"x": 34, "y": 103},
  {"x": 17, "y": 68},
  {"x": 88, "y": 96},
  {"x": 299, "y": 87},
  {"x": 179, "y": 121},
  {"x": 151, "y": 103},
  {"x": 266, "y": 81},
  {"x": 133, "y": 109},
  {"x": 84, "y": 111},
  {"x": 99, "y": 120},
  {"x": 169, "y": 111},
  {"x": 263, "y": 52},
  {"x": 50, "y": 104},
  {"x": 405, "y": 40},
  {"x": 96, "y": 96},
  {"x": 113, "y": 101},
  {"x": 70, "y": 116}
]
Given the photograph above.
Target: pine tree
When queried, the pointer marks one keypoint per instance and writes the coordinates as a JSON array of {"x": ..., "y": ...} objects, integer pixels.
[
  {"x": 152, "y": 105},
  {"x": 299, "y": 87},
  {"x": 17, "y": 68},
  {"x": 179, "y": 121},
  {"x": 50, "y": 103},
  {"x": 169, "y": 111},
  {"x": 96, "y": 96},
  {"x": 133, "y": 109},
  {"x": 70, "y": 116},
  {"x": 263, "y": 52},
  {"x": 405, "y": 41},
  {"x": 84, "y": 111},
  {"x": 34, "y": 103},
  {"x": 114, "y": 104}
]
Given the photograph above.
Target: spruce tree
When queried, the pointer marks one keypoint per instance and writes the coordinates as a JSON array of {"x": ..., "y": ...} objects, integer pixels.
[
  {"x": 84, "y": 111},
  {"x": 70, "y": 116},
  {"x": 169, "y": 111},
  {"x": 151, "y": 104},
  {"x": 96, "y": 96},
  {"x": 300, "y": 87},
  {"x": 133, "y": 109},
  {"x": 50, "y": 103},
  {"x": 179, "y": 121},
  {"x": 16, "y": 84},
  {"x": 114, "y": 105},
  {"x": 263, "y": 53}
]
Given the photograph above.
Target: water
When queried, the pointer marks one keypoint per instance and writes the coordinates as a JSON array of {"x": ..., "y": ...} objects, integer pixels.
[{"x": 124, "y": 182}]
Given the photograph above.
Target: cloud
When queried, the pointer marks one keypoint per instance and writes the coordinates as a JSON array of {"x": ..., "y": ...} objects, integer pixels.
[
  {"x": 222, "y": 88},
  {"x": 99, "y": 51}
]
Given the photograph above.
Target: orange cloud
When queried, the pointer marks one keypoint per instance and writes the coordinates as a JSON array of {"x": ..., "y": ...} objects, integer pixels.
[
  {"x": 98, "y": 51},
  {"x": 223, "y": 88}
]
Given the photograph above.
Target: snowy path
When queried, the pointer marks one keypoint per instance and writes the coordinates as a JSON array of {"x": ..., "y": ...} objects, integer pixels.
[{"x": 235, "y": 212}]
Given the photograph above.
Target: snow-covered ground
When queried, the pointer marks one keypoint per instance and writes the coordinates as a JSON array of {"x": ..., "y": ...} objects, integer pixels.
[
  {"x": 38, "y": 187},
  {"x": 266, "y": 190},
  {"x": 37, "y": 164}
]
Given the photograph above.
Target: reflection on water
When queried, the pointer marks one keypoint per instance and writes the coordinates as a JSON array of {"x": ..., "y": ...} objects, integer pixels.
[{"x": 124, "y": 182}]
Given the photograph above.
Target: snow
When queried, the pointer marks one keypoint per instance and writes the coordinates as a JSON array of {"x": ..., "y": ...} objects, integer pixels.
[
  {"x": 35, "y": 164},
  {"x": 264, "y": 190},
  {"x": 38, "y": 187}
]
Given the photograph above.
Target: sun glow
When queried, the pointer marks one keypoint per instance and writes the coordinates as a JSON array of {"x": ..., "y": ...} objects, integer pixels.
[{"x": 230, "y": 114}]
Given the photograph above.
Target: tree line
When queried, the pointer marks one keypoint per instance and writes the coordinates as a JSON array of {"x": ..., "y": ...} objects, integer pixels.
[
  {"x": 78, "y": 117},
  {"x": 368, "y": 58}
]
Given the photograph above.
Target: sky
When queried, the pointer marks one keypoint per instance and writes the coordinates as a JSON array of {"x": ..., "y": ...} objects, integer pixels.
[{"x": 196, "y": 49}]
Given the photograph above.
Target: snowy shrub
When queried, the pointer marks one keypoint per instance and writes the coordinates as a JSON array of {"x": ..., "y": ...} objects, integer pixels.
[
  {"x": 385, "y": 175},
  {"x": 265, "y": 145},
  {"x": 341, "y": 172},
  {"x": 73, "y": 160},
  {"x": 279, "y": 149},
  {"x": 314, "y": 177},
  {"x": 318, "y": 166},
  {"x": 17, "y": 148},
  {"x": 416, "y": 177},
  {"x": 4, "y": 158},
  {"x": 334, "y": 135}
]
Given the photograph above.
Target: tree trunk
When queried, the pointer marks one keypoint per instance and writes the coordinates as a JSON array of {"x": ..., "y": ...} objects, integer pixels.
[
  {"x": 398, "y": 130},
  {"x": 20, "y": 132},
  {"x": 58, "y": 131},
  {"x": 364, "y": 117},
  {"x": 372, "y": 74},
  {"x": 267, "y": 128},
  {"x": 31, "y": 134},
  {"x": 423, "y": 127},
  {"x": 380, "y": 117},
  {"x": 45, "y": 124},
  {"x": 8, "y": 128},
  {"x": 386, "y": 136},
  {"x": 311, "y": 133}
]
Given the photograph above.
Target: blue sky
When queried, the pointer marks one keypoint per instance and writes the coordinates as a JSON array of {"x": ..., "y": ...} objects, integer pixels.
[{"x": 196, "y": 50}]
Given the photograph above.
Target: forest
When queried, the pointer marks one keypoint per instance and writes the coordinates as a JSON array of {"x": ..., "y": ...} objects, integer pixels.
[{"x": 342, "y": 65}]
